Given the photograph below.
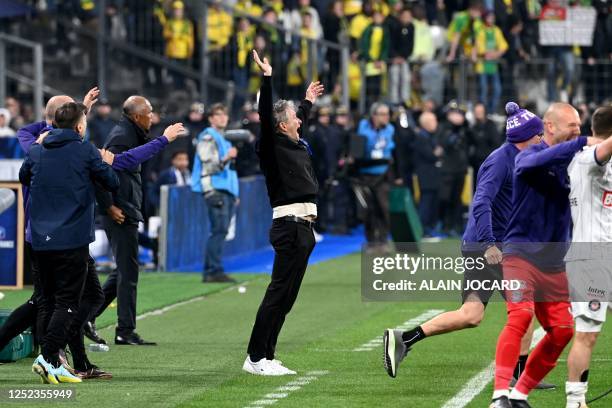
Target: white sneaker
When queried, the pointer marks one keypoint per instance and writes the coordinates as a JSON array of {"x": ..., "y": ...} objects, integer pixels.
[
  {"x": 279, "y": 366},
  {"x": 262, "y": 367}
]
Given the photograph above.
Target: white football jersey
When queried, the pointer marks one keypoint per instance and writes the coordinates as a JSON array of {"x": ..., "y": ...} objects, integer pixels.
[{"x": 590, "y": 197}]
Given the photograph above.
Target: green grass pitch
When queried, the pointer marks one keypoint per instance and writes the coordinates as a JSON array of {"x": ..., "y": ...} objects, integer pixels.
[{"x": 202, "y": 346}]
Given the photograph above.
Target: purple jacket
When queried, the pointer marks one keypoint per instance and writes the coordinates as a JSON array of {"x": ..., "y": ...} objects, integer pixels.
[
  {"x": 27, "y": 137},
  {"x": 539, "y": 225},
  {"x": 492, "y": 202}
]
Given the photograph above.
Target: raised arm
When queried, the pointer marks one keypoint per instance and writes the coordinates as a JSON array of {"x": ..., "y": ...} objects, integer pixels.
[
  {"x": 27, "y": 135},
  {"x": 315, "y": 89},
  {"x": 100, "y": 171},
  {"x": 140, "y": 154},
  {"x": 529, "y": 160},
  {"x": 265, "y": 103}
]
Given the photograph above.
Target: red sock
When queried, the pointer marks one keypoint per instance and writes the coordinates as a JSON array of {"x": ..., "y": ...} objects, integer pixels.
[
  {"x": 509, "y": 346},
  {"x": 544, "y": 357}
]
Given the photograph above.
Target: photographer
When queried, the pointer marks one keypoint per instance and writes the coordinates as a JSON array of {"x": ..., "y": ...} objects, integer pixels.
[{"x": 218, "y": 181}]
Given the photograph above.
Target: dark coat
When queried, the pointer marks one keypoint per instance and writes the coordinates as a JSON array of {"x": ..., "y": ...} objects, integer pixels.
[
  {"x": 60, "y": 173},
  {"x": 125, "y": 136},
  {"x": 426, "y": 164}
]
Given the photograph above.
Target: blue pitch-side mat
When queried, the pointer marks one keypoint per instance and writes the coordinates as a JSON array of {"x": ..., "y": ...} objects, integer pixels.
[{"x": 332, "y": 246}]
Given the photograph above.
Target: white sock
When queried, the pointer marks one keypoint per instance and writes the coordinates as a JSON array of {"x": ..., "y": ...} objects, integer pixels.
[
  {"x": 575, "y": 393},
  {"x": 500, "y": 393},
  {"x": 517, "y": 395}
]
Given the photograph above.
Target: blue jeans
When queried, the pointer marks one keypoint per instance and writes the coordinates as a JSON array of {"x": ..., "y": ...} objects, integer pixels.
[
  {"x": 492, "y": 101},
  {"x": 220, "y": 210}
]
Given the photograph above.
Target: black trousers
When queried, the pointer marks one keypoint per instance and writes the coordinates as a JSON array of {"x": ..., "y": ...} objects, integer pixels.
[
  {"x": 293, "y": 243},
  {"x": 122, "y": 282},
  {"x": 91, "y": 300},
  {"x": 376, "y": 193},
  {"x": 62, "y": 278},
  {"x": 25, "y": 316}
]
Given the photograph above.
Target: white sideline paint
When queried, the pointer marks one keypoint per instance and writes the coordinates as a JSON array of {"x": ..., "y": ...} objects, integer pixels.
[
  {"x": 409, "y": 324},
  {"x": 478, "y": 383},
  {"x": 285, "y": 391}
]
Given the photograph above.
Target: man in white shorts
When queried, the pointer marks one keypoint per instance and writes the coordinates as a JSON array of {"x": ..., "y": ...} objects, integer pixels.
[{"x": 588, "y": 261}]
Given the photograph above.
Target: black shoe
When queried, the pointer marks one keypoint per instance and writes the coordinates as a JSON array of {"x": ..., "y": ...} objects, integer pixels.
[
  {"x": 132, "y": 339},
  {"x": 541, "y": 385},
  {"x": 514, "y": 403},
  {"x": 501, "y": 402},
  {"x": 93, "y": 372},
  {"x": 218, "y": 278},
  {"x": 90, "y": 332}
]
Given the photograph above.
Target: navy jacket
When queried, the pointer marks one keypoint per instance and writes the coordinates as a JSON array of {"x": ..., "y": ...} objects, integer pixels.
[{"x": 60, "y": 173}]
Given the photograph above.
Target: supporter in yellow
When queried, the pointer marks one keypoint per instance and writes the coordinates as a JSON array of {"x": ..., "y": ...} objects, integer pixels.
[
  {"x": 462, "y": 30},
  {"x": 354, "y": 79},
  {"x": 308, "y": 32},
  {"x": 242, "y": 46},
  {"x": 219, "y": 26},
  {"x": 248, "y": 7},
  {"x": 352, "y": 7},
  {"x": 360, "y": 22},
  {"x": 178, "y": 33},
  {"x": 490, "y": 46},
  {"x": 374, "y": 46}
]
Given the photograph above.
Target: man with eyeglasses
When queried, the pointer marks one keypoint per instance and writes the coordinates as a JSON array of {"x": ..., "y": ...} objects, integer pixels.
[{"x": 215, "y": 178}]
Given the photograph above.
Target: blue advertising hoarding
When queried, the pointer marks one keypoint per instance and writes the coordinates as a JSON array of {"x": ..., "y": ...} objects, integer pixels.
[{"x": 11, "y": 240}]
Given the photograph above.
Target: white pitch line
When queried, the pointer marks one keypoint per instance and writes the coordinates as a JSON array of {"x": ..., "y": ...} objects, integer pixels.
[
  {"x": 285, "y": 391},
  {"x": 478, "y": 383},
  {"x": 161, "y": 311},
  {"x": 409, "y": 324}
]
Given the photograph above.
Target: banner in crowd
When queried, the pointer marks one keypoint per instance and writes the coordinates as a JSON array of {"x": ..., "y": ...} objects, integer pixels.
[
  {"x": 11, "y": 236},
  {"x": 567, "y": 26}
]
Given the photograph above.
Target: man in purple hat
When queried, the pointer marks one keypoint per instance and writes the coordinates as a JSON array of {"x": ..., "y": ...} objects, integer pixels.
[{"x": 482, "y": 238}]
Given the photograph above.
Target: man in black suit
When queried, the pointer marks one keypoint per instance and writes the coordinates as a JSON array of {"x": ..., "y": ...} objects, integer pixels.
[{"x": 427, "y": 163}]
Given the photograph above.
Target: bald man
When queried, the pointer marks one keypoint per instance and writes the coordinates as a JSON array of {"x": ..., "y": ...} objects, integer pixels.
[
  {"x": 121, "y": 214},
  {"x": 533, "y": 252}
]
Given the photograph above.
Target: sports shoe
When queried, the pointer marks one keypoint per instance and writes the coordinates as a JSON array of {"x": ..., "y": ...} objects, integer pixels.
[
  {"x": 262, "y": 367},
  {"x": 44, "y": 370},
  {"x": 91, "y": 333},
  {"x": 501, "y": 402},
  {"x": 64, "y": 361},
  {"x": 279, "y": 365},
  {"x": 394, "y": 351},
  {"x": 515, "y": 403},
  {"x": 541, "y": 385},
  {"x": 93, "y": 372},
  {"x": 64, "y": 376}
]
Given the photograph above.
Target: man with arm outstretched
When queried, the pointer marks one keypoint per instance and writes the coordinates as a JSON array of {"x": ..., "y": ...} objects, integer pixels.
[{"x": 285, "y": 160}]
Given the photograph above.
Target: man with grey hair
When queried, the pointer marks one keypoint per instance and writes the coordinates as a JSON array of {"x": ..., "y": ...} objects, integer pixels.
[{"x": 292, "y": 188}]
